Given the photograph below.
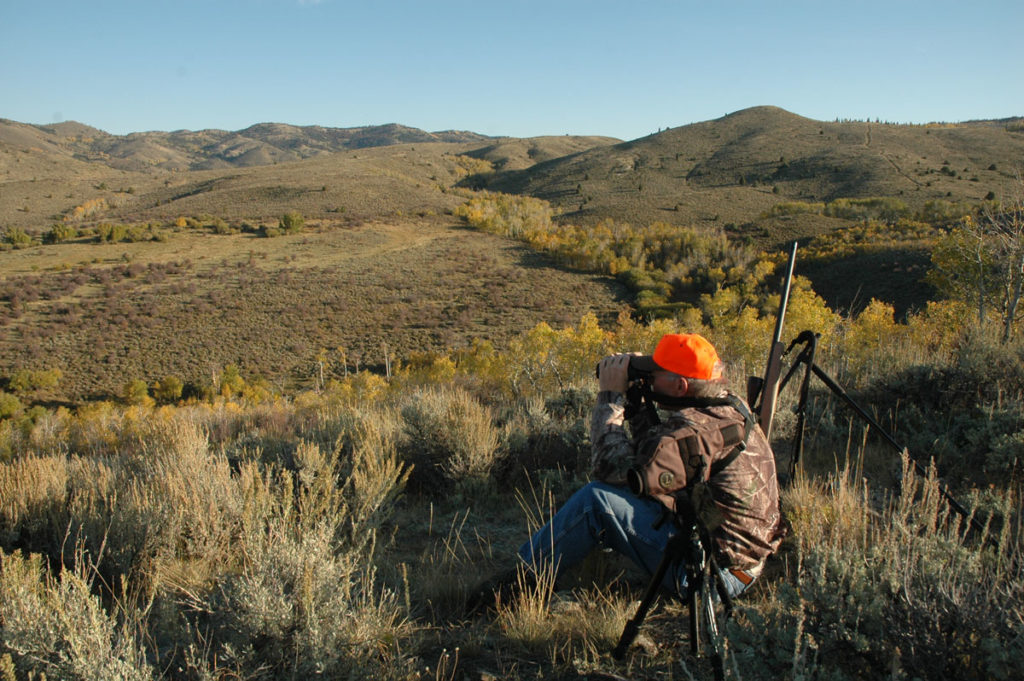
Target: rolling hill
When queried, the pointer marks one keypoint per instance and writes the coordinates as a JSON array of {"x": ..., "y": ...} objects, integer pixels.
[
  {"x": 724, "y": 173},
  {"x": 261, "y": 144},
  {"x": 731, "y": 170}
]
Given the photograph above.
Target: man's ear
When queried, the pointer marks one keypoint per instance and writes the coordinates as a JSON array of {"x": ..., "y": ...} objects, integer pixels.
[{"x": 684, "y": 385}]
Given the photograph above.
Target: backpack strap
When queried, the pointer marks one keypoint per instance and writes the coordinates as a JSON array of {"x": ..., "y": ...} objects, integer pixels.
[{"x": 731, "y": 434}]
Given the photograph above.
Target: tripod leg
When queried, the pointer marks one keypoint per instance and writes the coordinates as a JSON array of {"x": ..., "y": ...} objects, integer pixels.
[
  {"x": 695, "y": 634},
  {"x": 632, "y": 628},
  {"x": 713, "y": 633}
]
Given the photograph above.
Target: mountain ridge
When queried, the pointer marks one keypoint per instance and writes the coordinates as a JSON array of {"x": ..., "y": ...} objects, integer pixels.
[{"x": 179, "y": 150}]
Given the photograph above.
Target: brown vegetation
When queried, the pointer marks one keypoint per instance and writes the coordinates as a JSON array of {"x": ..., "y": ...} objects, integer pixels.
[{"x": 378, "y": 292}]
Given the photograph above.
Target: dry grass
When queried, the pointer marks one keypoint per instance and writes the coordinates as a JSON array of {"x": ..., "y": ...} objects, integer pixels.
[
  {"x": 902, "y": 588},
  {"x": 450, "y": 440},
  {"x": 305, "y": 559},
  {"x": 274, "y": 567},
  {"x": 57, "y": 626}
]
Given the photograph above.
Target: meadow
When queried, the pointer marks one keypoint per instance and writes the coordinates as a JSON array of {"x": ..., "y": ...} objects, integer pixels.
[{"x": 338, "y": 298}]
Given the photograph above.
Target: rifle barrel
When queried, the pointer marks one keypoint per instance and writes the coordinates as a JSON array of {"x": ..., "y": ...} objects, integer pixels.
[{"x": 784, "y": 302}]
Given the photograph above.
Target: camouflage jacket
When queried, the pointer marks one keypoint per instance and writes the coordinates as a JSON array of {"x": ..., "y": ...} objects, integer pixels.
[{"x": 743, "y": 512}]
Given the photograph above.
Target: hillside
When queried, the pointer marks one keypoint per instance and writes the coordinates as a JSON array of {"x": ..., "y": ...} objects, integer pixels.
[
  {"x": 197, "y": 302},
  {"x": 728, "y": 172},
  {"x": 47, "y": 172}
]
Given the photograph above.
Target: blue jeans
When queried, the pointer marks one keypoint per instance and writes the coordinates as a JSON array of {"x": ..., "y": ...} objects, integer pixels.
[{"x": 612, "y": 517}]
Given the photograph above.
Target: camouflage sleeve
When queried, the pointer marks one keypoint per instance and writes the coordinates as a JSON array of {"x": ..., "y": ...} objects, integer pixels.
[{"x": 611, "y": 447}]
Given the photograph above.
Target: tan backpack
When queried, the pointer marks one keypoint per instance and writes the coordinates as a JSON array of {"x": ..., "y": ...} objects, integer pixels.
[{"x": 689, "y": 456}]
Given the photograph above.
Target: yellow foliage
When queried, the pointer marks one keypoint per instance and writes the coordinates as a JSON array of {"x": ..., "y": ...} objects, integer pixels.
[
  {"x": 482, "y": 363},
  {"x": 874, "y": 326},
  {"x": 630, "y": 335},
  {"x": 808, "y": 311},
  {"x": 936, "y": 329},
  {"x": 467, "y": 165},
  {"x": 426, "y": 367},
  {"x": 516, "y": 216},
  {"x": 742, "y": 340},
  {"x": 357, "y": 388},
  {"x": 721, "y": 305},
  {"x": 544, "y": 360},
  {"x": 87, "y": 209}
]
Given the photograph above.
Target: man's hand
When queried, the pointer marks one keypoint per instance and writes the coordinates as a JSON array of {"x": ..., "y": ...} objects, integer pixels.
[{"x": 613, "y": 373}]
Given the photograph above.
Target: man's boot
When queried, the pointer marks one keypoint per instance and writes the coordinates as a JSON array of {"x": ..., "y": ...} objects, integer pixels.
[{"x": 504, "y": 587}]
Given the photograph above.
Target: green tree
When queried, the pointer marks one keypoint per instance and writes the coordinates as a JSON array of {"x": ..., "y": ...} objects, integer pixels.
[
  {"x": 109, "y": 233},
  {"x": 17, "y": 237},
  {"x": 291, "y": 222},
  {"x": 29, "y": 380},
  {"x": 168, "y": 389},
  {"x": 136, "y": 392},
  {"x": 981, "y": 262},
  {"x": 231, "y": 382},
  {"x": 10, "y": 405},
  {"x": 59, "y": 233}
]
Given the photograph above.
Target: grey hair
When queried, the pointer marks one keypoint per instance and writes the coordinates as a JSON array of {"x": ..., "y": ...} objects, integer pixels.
[{"x": 705, "y": 388}]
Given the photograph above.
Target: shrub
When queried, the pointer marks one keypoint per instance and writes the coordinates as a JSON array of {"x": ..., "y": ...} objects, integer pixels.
[
  {"x": 450, "y": 439},
  {"x": 292, "y": 222},
  {"x": 136, "y": 392},
  {"x": 306, "y": 603},
  {"x": 907, "y": 593},
  {"x": 28, "y": 380},
  {"x": 109, "y": 233},
  {"x": 17, "y": 237},
  {"x": 57, "y": 627},
  {"x": 279, "y": 561},
  {"x": 551, "y": 434},
  {"x": 795, "y": 208},
  {"x": 221, "y": 226},
  {"x": 884, "y": 208},
  {"x": 59, "y": 233},
  {"x": 136, "y": 233},
  {"x": 10, "y": 405},
  {"x": 168, "y": 389}
]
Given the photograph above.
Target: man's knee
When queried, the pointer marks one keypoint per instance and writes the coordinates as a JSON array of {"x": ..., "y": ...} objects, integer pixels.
[{"x": 605, "y": 492}]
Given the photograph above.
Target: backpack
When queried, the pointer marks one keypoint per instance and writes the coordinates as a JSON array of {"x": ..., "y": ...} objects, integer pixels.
[{"x": 690, "y": 456}]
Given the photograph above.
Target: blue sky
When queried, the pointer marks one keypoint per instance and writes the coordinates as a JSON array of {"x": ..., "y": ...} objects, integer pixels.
[{"x": 516, "y": 67}]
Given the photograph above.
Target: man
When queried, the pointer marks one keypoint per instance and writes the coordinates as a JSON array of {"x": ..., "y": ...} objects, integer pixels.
[{"x": 739, "y": 502}]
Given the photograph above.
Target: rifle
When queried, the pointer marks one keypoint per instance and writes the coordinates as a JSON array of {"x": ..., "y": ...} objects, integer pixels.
[{"x": 768, "y": 386}]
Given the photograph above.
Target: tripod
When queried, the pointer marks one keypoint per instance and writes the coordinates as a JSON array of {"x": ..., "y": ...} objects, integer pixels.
[
  {"x": 692, "y": 545},
  {"x": 809, "y": 340}
]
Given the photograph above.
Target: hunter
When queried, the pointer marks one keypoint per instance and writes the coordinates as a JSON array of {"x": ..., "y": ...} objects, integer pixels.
[{"x": 703, "y": 440}]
